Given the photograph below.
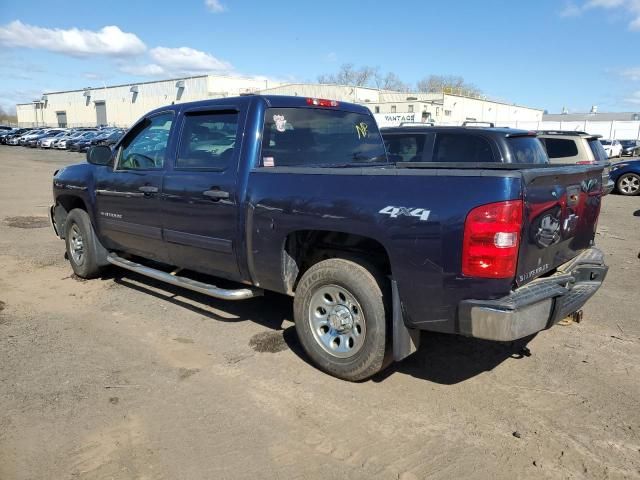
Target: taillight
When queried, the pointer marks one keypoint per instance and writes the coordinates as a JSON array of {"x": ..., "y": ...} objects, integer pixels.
[
  {"x": 321, "y": 102},
  {"x": 586, "y": 162},
  {"x": 491, "y": 240}
]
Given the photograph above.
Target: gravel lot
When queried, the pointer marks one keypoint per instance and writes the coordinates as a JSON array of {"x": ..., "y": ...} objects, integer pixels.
[{"x": 125, "y": 378}]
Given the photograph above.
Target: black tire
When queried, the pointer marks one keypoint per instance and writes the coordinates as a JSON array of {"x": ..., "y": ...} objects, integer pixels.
[
  {"x": 628, "y": 184},
  {"x": 371, "y": 293},
  {"x": 88, "y": 262}
]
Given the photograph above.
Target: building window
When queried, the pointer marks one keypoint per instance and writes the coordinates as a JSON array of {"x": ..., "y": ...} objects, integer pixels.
[
  {"x": 377, "y": 110},
  {"x": 447, "y": 113},
  {"x": 410, "y": 108},
  {"x": 393, "y": 109}
]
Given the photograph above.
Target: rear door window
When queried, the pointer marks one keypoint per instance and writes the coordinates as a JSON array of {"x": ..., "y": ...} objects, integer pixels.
[
  {"x": 208, "y": 140},
  {"x": 462, "y": 148},
  {"x": 318, "y": 137}
]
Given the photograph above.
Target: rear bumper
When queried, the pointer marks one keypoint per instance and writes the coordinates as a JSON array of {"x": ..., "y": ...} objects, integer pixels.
[{"x": 537, "y": 305}]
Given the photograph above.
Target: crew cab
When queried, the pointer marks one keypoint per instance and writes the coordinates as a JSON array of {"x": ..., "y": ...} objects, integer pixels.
[{"x": 298, "y": 196}]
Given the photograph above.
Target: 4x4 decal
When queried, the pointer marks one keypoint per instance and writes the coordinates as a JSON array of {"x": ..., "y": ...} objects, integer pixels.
[{"x": 395, "y": 212}]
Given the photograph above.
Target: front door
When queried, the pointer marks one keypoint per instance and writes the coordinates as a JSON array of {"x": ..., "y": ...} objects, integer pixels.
[
  {"x": 200, "y": 206},
  {"x": 128, "y": 194}
]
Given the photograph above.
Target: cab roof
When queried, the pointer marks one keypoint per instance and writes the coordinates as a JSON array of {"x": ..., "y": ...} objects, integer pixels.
[{"x": 276, "y": 101}]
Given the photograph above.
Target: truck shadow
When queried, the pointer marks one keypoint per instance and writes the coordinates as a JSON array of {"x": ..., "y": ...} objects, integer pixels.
[
  {"x": 269, "y": 311},
  {"x": 450, "y": 359},
  {"x": 441, "y": 358}
]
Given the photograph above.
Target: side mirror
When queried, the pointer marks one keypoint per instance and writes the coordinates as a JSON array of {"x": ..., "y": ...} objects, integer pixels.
[{"x": 99, "y": 155}]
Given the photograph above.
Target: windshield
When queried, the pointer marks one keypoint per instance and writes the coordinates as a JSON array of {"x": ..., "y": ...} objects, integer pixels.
[
  {"x": 598, "y": 151},
  {"x": 605, "y": 142},
  {"x": 527, "y": 150},
  {"x": 628, "y": 143},
  {"x": 320, "y": 137}
]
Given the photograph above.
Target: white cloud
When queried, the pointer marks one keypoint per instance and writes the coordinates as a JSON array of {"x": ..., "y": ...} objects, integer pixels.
[
  {"x": 631, "y": 73},
  {"x": 571, "y": 10},
  {"x": 176, "y": 62},
  {"x": 148, "y": 70},
  {"x": 109, "y": 40},
  {"x": 187, "y": 60},
  {"x": 634, "y": 98},
  {"x": 215, "y": 6},
  {"x": 630, "y": 8}
]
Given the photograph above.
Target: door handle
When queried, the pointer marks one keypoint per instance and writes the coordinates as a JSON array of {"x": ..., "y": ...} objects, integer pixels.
[
  {"x": 148, "y": 189},
  {"x": 216, "y": 194}
]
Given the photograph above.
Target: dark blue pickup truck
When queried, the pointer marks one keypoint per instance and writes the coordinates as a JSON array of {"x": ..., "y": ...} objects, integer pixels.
[{"x": 298, "y": 196}]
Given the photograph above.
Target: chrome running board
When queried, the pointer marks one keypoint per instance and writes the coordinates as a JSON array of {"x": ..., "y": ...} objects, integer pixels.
[{"x": 200, "y": 287}]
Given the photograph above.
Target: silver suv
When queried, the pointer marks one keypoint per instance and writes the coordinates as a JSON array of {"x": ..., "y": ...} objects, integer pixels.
[{"x": 577, "y": 147}]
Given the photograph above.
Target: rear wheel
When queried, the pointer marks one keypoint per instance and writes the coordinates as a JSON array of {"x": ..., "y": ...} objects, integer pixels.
[
  {"x": 629, "y": 184},
  {"x": 86, "y": 254},
  {"x": 341, "y": 318}
]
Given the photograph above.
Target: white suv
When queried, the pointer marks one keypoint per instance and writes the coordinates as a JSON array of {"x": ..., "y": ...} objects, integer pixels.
[
  {"x": 612, "y": 147},
  {"x": 577, "y": 147}
]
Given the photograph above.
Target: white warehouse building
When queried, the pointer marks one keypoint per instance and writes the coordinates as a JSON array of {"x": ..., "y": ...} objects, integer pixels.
[
  {"x": 392, "y": 108},
  {"x": 122, "y": 105}
]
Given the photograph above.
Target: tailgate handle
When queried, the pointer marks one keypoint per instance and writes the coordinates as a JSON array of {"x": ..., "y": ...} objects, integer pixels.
[{"x": 216, "y": 194}]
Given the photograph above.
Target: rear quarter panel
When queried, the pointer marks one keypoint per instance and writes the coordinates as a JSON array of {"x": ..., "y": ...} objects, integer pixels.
[{"x": 424, "y": 254}]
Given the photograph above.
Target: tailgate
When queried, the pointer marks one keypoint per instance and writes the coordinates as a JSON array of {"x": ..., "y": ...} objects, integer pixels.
[{"x": 561, "y": 208}]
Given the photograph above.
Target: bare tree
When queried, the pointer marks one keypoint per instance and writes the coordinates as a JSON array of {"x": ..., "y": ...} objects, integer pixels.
[
  {"x": 348, "y": 74},
  {"x": 391, "y": 81},
  {"x": 447, "y": 84},
  {"x": 365, "y": 76},
  {"x": 7, "y": 117}
]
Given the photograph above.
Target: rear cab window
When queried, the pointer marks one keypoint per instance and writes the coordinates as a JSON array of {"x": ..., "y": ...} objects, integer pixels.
[
  {"x": 408, "y": 147},
  {"x": 317, "y": 137},
  {"x": 527, "y": 149}
]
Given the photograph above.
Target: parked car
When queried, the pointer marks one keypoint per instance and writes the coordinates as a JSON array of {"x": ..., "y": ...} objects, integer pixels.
[
  {"x": 34, "y": 140},
  {"x": 631, "y": 147},
  {"x": 29, "y": 135},
  {"x": 626, "y": 176},
  {"x": 574, "y": 147},
  {"x": 48, "y": 141},
  {"x": 79, "y": 142},
  {"x": 74, "y": 134},
  {"x": 297, "y": 195},
  {"x": 612, "y": 147},
  {"x": 462, "y": 145},
  {"x": 110, "y": 139},
  {"x": 6, "y": 139}
]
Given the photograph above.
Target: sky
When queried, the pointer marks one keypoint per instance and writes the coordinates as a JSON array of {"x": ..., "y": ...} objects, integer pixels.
[{"x": 546, "y": 54}]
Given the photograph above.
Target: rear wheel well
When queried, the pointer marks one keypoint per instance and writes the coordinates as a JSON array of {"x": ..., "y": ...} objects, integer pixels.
[
  {"x": 64, "y": 205},
  {"x": 305, "y": 248}
]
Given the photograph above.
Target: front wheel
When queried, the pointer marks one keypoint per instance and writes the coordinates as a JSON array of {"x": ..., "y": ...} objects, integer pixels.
[
  {"x": 84, "y": 251},
  {"x": 340, "y": 311},
  {"x": 629, "y": 184}
]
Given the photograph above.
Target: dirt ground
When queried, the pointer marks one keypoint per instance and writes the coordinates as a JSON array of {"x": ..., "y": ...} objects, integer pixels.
[{"x": 126, "y": 378}]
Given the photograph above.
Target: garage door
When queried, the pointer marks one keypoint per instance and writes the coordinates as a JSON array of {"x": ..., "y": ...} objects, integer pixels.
[
  {"x": 101, "y": 113},
  {"x": 62, "y": 119}
]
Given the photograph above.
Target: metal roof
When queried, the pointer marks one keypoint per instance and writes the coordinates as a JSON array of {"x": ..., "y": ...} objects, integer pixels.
[{"x": 591, "y": 117}]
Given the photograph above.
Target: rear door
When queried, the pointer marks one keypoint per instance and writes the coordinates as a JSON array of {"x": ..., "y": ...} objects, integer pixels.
[
  {"x": 561, "y": 211},
  {"x": 200, "y": 207}
]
